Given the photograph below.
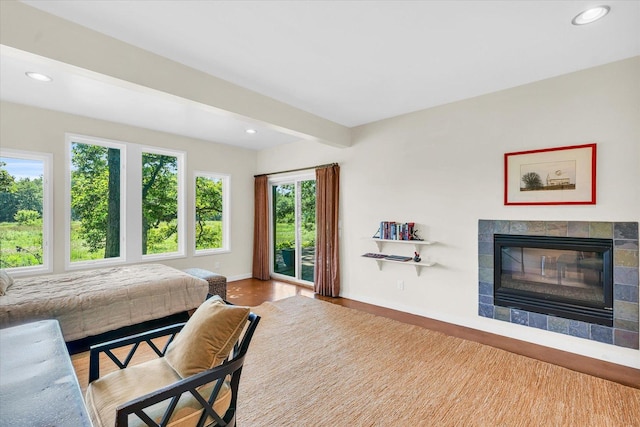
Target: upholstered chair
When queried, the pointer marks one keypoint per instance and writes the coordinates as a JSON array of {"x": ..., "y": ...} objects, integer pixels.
[{"x": 193, "y": 382}]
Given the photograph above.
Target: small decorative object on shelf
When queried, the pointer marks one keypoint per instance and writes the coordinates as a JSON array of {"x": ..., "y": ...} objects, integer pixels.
[{"x": 416, "y": 257}]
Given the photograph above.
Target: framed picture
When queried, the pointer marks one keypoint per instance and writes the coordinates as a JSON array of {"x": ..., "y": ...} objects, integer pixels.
[{"x": 551, "y": 176}]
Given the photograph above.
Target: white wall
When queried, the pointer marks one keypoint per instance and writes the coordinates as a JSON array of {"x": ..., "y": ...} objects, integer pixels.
[
  {"x": 28, "y": 128},
  {"x": 443, "y": 169}
]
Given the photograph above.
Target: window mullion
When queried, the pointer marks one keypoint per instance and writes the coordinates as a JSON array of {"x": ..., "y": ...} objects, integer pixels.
[{"x": 133, "y": 211}]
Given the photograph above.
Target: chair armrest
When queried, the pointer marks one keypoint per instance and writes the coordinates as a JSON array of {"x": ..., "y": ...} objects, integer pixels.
[
  {"x": 135, "y": 340},
  {"x": 175, "y": 391}
]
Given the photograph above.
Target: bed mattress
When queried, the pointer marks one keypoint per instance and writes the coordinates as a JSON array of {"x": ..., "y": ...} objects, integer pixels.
[{"x": 91, "y": 302}]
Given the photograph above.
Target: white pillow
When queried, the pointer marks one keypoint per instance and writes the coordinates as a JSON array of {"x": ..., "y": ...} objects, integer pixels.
[{"x": 5, "y": 282}]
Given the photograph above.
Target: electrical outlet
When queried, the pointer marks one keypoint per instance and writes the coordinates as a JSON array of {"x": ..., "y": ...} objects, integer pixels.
[
  {"x": 400, "y": 285},
  {"x": 216, "y": 265}
]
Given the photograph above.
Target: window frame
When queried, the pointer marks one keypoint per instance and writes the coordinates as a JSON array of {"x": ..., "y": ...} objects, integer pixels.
[
  {"x": 226, "y": 216},
  {"x": 47, "y": 210},
  {"x": 103, "y": 142},
  {"x": 130, "y": 203},
  {"x": 180, "y": 163}
]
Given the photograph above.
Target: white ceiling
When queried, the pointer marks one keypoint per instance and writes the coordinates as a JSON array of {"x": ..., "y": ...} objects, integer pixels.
[
  {"x": 86, "y": 93},
  {"x": 351, "y": 62}
]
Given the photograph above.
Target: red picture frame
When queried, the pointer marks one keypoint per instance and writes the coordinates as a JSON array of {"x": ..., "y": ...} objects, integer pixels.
[{"x": 551, "y": 176}]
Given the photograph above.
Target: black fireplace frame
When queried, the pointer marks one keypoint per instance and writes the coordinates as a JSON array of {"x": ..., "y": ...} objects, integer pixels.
[{"x": 601, "y": 314}]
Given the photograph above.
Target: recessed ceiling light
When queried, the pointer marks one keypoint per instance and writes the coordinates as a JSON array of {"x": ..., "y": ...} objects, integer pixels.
[
  {"x": 590, "y": 15},
  {"x": 38, "y": 76},
  {"x": 251, "y": 131}
]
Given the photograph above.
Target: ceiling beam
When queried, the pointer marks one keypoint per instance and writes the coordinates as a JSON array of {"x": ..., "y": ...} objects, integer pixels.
[{"x": 29, "y": 29}]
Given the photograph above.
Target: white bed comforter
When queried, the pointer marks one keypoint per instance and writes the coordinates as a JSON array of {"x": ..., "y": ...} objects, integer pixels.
[{"x": 91, "y": 302}]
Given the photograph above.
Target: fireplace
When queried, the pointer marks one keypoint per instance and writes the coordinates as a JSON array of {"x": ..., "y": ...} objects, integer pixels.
[
  {"x": 566, "y": 277},
  {"x": 622, "y": 282}
]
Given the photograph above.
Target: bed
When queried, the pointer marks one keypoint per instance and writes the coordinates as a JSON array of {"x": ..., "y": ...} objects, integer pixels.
[{"x": 92, "y": 302}]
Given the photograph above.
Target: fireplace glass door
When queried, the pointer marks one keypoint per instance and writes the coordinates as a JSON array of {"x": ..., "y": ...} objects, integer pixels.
[
  {"x": 565, "y": 274},
  {"x": 566, "y": 277}
]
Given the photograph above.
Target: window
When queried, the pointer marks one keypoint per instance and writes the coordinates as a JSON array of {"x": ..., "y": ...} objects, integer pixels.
[
  {"x": 96, "y": 195},
  {"x": 161, "y": 193},
  {"x": 125, "y": 202},
  {"x": 212, "y": 213},
  {"x": 293, "y": 213},
  {"x": 25, "y": 211}
]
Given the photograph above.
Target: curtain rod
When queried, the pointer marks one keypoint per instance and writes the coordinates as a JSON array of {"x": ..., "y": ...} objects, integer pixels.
[{"x": 297, "y": 170}]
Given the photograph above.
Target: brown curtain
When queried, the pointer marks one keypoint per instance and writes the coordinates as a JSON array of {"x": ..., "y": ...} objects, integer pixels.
[
  {"x": 261, "y": 229},
  {"x": 327, "y": 268}
]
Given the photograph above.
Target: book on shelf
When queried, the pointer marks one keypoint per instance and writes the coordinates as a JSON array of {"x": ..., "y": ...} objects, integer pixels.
[
  {"x": 398, "y": 258},
  {"x": 374, "y": 255},
  {"x": 385, "y": 256},
  {"x": 391, "y": 230}
]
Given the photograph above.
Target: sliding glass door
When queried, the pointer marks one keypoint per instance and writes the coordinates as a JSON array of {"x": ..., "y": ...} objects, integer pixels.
[{"x": 293, "y": 214}]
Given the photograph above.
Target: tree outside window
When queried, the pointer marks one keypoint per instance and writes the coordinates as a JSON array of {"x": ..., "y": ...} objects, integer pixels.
[
  {"x": 210, "y": 210},
  {"x": 159, "y": 203},
  {"x": 95, "y": 202}
]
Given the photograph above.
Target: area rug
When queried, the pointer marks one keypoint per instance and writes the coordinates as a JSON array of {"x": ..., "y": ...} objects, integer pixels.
[{"x": 314, "y": 363}]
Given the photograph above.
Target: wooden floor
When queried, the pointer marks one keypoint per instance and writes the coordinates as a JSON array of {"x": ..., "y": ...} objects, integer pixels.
[{"x": 252, "y": 292}]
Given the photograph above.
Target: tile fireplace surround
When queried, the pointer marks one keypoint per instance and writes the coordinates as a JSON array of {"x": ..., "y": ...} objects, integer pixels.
[{"x": 624, "y": 332}]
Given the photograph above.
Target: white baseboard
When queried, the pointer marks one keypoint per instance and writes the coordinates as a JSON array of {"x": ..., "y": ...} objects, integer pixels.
[{"x": 239, "y": 277}]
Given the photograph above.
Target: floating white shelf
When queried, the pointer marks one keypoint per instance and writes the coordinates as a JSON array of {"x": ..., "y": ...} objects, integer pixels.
[
  {"x": 416, "y": 244},
  {"x": 417, "y": 265}
]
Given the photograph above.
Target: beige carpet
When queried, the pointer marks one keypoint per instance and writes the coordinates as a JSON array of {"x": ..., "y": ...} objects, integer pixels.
[{"x": 314, "y": 363}]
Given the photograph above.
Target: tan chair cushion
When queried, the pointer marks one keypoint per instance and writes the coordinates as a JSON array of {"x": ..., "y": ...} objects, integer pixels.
[
  {"x": 207, "y": 338},
  {"x": 105, "y": 394}
]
